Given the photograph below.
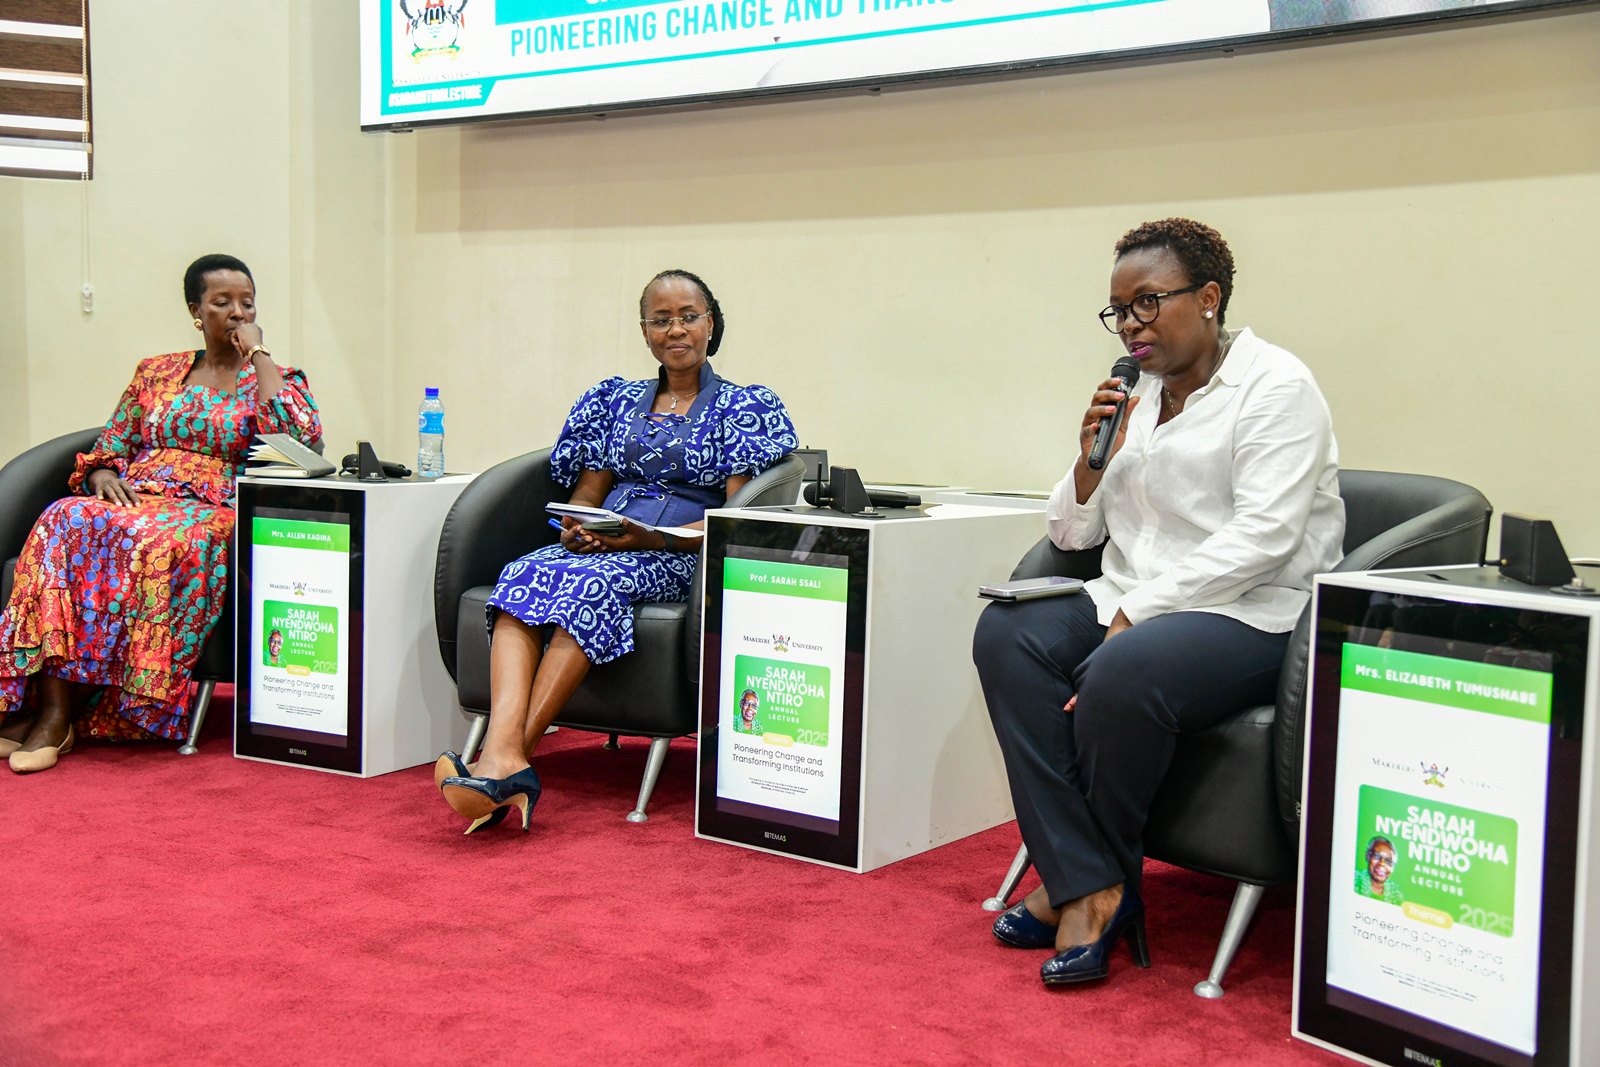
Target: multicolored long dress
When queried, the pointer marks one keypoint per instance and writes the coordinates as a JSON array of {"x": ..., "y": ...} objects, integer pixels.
[
  {"x": 123, "y": 597},
  {"x": 669, "y": 469}
]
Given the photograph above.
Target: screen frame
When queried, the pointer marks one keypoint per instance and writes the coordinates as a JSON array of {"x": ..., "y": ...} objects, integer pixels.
[
  {"x": 740, "y": 822},
  {"x": 280, "y": 744},
  {"x": 1026, "y": 67},
  {"x": 1360, "y": 1026}
]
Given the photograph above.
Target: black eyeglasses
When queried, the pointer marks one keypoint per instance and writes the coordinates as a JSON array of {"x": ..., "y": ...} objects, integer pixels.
[{"x": 1144, "y": 308}]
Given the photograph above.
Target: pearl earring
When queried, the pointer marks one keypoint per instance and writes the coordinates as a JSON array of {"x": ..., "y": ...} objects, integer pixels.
[
  {"x": 199, "y": 325},
  {"x": 1208, "y": 314}
]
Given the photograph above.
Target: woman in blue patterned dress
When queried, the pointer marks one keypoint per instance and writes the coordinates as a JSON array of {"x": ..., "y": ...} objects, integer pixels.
[{"x": 661, "y": 451}]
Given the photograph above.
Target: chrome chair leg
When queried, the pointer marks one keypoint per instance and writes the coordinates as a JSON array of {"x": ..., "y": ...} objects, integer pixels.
[
  {"x": 1245, "y": 901},
  {"x": 475, "y": 732},
  {"x": 1019, "y": 866},
  {"x": 197, "y": 718},
  {"x": 652, "y": 771}
]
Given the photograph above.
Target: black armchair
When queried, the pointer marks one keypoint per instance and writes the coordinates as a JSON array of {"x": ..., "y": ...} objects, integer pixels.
[
  {"x": 651, "y": 692},
  {"x": 37, "y": 478},
  {"x": 1230, "y": 804}
]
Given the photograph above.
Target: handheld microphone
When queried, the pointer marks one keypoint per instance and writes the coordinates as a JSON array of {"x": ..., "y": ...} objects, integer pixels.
[
  {"x": 821, "y": 495},
  {"x": 1125, "y": 370}
]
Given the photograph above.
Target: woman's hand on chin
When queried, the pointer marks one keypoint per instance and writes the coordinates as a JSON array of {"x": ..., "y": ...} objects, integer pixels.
[{"x": 245, "y": 337}]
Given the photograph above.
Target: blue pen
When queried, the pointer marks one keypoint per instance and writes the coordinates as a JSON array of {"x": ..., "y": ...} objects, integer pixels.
[{"x": 557, "y": 524}]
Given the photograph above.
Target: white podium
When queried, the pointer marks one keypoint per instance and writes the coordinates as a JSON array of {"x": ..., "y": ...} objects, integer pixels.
[
  {"x": 1448, "y": 895},
  {"x": 338, "y": 659},
  {"x": 1026, "y": 499},
  {"x": 868, "y": 740}
]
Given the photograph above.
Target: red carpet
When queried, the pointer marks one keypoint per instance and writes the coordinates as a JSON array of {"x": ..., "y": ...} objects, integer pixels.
[{"x": 213, "y": 910}]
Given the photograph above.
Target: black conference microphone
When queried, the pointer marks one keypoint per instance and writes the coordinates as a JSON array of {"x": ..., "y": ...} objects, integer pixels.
[
  {"x": 817, "y": 494},
  {"x": 1126, "y": 370},
  {"x": 845, "y": 493}
]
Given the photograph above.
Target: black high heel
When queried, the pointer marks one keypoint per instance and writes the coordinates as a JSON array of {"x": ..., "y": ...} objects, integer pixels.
[
  {"x": 520, "y": 790},
  {"x": 1086, "y": 963}
]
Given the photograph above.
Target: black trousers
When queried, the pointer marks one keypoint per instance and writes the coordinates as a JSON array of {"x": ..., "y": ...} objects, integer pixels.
[{"x": 1082, "y": 783}]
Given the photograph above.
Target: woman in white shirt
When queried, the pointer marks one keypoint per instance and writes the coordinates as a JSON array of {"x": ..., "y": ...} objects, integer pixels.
[{"x": 1218, "y": 504}]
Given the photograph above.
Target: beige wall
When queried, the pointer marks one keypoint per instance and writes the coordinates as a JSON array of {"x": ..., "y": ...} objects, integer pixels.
[
  {"x": 14, "y": 427},
  {"x": 916, "y": 273},
  {"x": 211, "y": 135}
]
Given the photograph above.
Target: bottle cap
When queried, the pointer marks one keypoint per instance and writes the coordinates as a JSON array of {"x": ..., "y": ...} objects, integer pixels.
[{"x": 430, "y": 393}]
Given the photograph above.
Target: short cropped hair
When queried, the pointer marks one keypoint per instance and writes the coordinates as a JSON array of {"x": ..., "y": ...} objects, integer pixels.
[
  {"x": 194, "y": 279},
  {"x": 1201, "y": 250}
]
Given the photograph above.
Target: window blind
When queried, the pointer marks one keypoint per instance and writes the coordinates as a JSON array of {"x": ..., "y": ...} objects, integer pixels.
[{"x": 44, "y": 88}]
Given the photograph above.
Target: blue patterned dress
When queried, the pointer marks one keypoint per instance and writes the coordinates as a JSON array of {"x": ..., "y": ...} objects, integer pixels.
[{"x": 669, "y": 469}]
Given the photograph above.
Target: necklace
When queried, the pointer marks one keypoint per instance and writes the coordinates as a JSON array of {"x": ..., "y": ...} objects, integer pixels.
[
  {"x": 1173, "y": 410},
  {"x": 676, "y": 398}
]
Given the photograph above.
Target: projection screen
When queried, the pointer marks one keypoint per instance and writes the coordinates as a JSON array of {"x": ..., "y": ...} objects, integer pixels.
[{"x": 451, "y": 61}]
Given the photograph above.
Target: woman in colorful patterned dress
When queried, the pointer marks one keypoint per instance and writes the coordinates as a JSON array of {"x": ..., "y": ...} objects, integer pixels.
[
  {"x": 119, "y": 584},
  {"x": 661, "y": 451}
]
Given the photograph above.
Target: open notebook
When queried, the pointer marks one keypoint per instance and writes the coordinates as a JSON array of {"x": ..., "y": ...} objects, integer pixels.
[
  {"x": 278, "y": 455},
  {"x": 587, "y": 514}
]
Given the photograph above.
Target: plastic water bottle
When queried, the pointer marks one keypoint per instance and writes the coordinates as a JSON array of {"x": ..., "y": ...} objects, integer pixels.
[{"x": 430, "y": 435}]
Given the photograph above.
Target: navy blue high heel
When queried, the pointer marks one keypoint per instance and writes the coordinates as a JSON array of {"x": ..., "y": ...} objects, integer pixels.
[
  {"x": 1086, "y": 963},
  {"x": 1020, "y": 928},
  {"x": 449, "y": 765},
  {"x": 520, "y": 790}
]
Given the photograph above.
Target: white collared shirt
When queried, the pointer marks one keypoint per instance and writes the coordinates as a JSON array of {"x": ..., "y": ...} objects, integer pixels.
[{"x": 1228, "y": 508}]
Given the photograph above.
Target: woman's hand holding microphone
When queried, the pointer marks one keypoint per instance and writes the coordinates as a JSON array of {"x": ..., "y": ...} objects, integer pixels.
[
  {"x": 1104, "y": 405},
  {"x": 1086, "y": 479}
]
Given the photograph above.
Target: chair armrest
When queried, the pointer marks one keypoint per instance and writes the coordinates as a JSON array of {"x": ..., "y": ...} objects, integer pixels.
[
  {"x": 33, "y": 481},
  {"x": 778, "y": 484},
  {"x": 497, "y": 518},
  {"x": 1045, "y": 559},
  {"x": 1453, "y": 532}
]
